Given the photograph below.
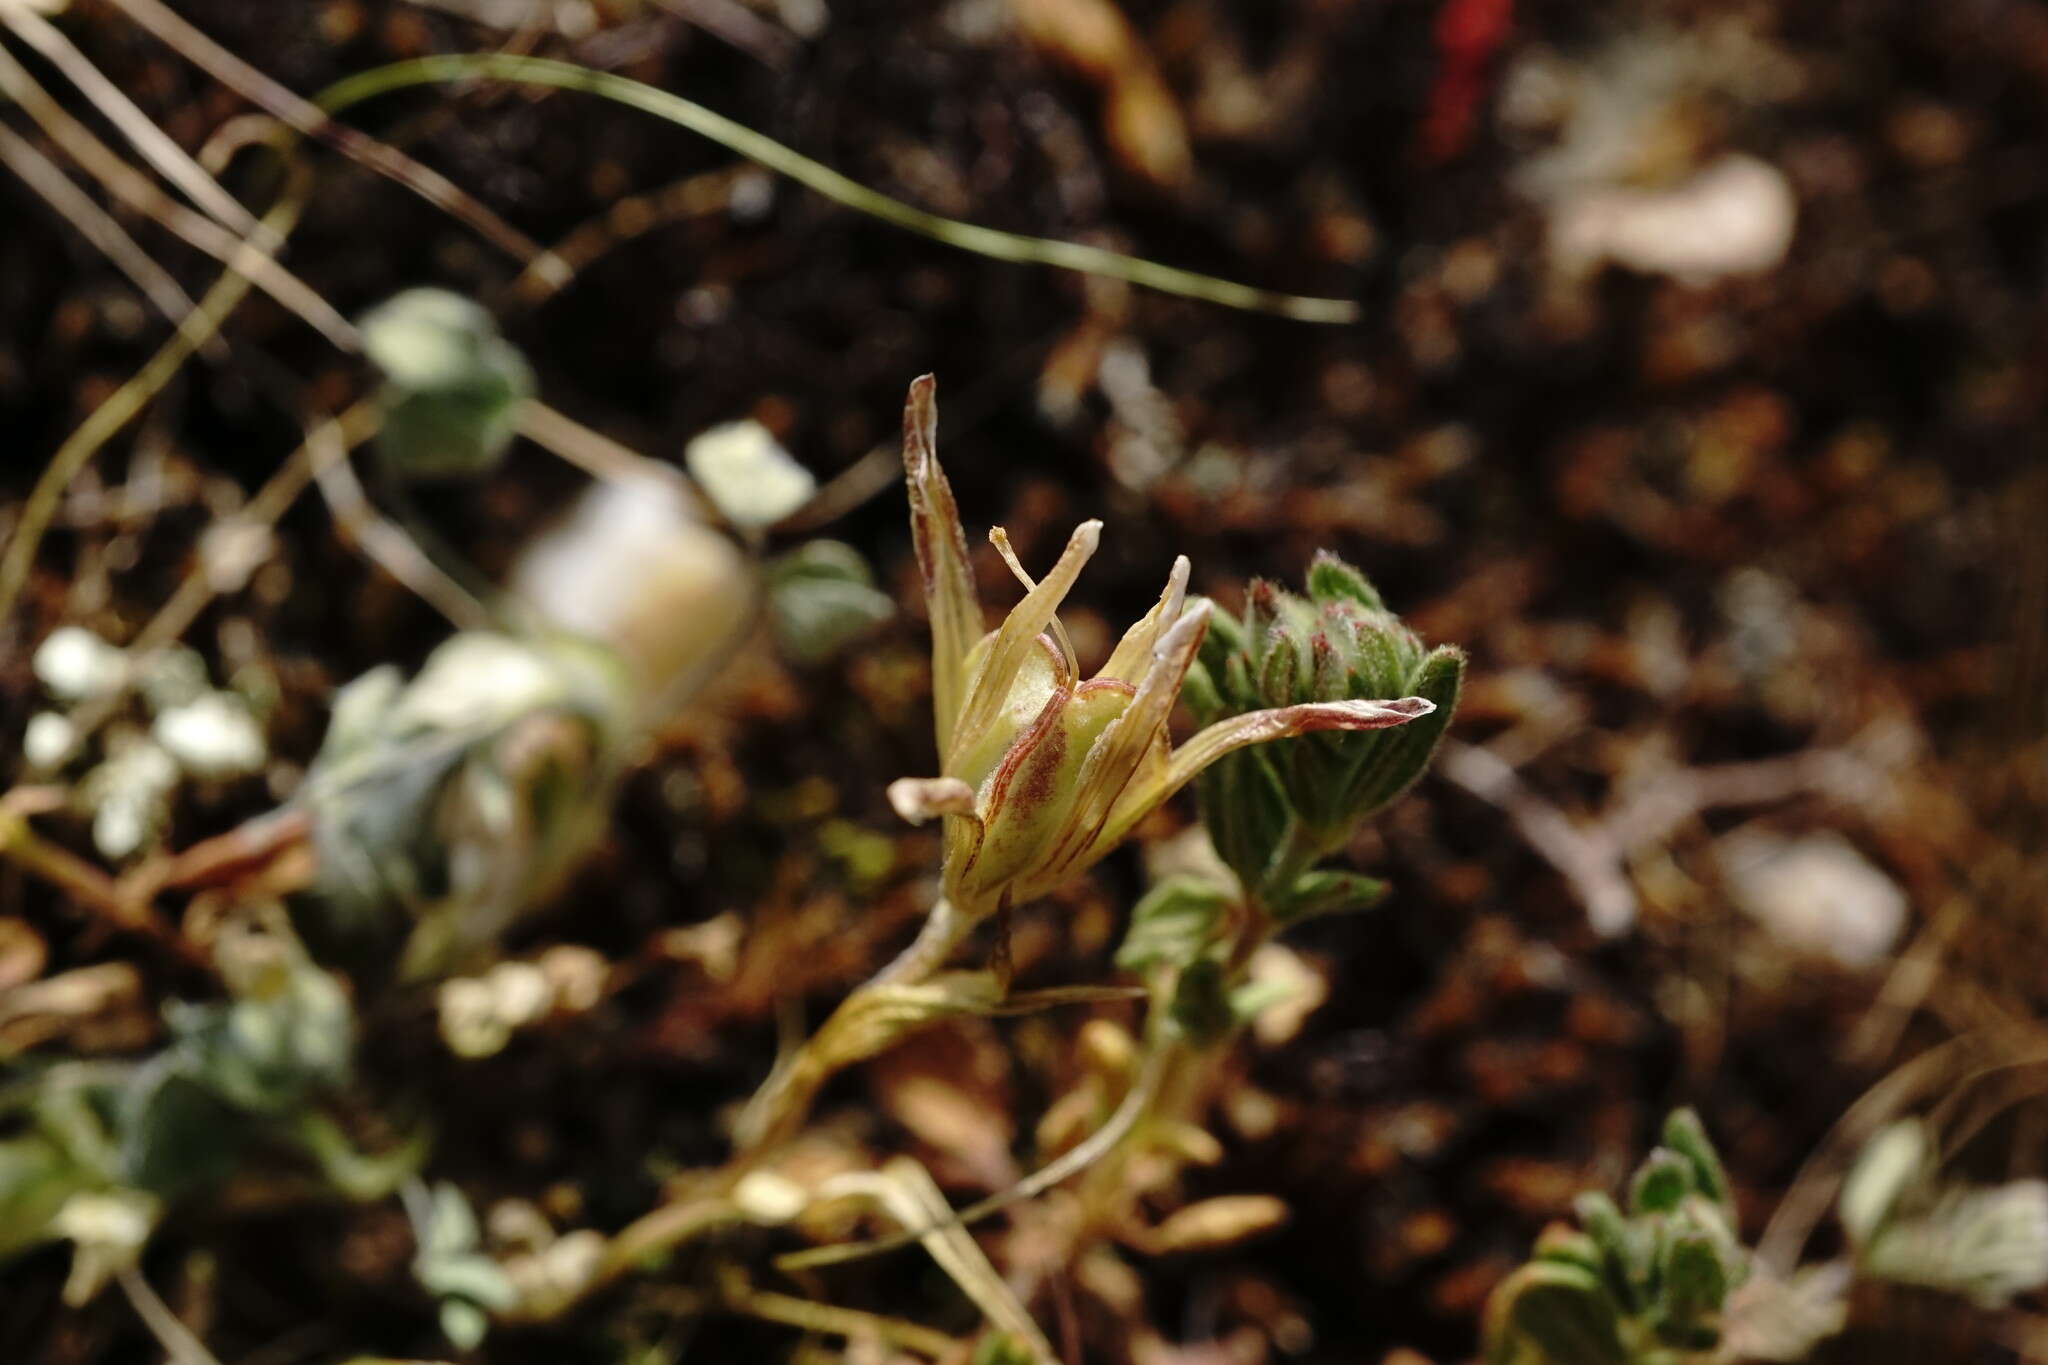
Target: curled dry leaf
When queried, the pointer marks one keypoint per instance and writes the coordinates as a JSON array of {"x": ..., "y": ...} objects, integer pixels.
[{"x": 1213, "y": 1223}]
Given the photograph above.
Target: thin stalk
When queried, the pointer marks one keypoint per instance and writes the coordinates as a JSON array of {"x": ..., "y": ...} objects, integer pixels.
[
  {"x": 828, "y": 1320},
  {"x": 97, "y": 226},
  {"x": 173, "y": 1335},
  {"x": 784, "y": 1098},
  {"x": 822, "y": 179},
  {"x": 315, "y": 120},
  {"x": 1300, "y": 849},
  {"x": 1137, "y": 1103},
  {"x": 152, "y": 142},
  {"x": 255, "y": 256},
  {"x": 125, "y": 403},
  {"x": 943, "y": 929}
]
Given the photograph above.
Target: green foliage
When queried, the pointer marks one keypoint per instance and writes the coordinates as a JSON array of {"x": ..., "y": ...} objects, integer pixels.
[
  {"x": 1174, "y": 925},
  {"x": 821, "y": 598},
  {"x": 37, "y": 1175},
  {"x": 1643, "y": 1288},
  {"x": 1557, "y": 1314},
  {"x": 1000, "y": 1348},
  {"x": 186, "y": 1116},
  {"x": 1909, "y": 1224},
  {"x": 1274, "y": 810},
  {"x": 239, "y": 1076},
  {"x": 447, "y": 805},
  {"x": 1656, "y": 1285},
  {"x": 452, "y": 385},
  {"x": 1201, "y": 1008},
  {"x": 450, "y": 1266}
]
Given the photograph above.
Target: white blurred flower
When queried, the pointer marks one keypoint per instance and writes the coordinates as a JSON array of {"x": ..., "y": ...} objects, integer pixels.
[
  {"x": 108, "y": 1231},
  {"x": 75, "y": 664},
  {"x": 1817, "y": 894},
  {"x": 635, "y": 567},
  {"x": 212, "y": 737},
  {"x": 130, "y": 795},
  {"x": 1734, "y": 216},
  {"x": 48, "y": 739}
]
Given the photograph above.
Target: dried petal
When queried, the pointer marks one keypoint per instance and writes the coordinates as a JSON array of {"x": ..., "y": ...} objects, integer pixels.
[
  {"x": 918, "y": 799},
  {"x": 941, "y": 557}
]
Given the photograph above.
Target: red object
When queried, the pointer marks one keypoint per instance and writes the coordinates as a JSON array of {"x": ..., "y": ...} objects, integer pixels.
[{"x": 1468, "y": 33}]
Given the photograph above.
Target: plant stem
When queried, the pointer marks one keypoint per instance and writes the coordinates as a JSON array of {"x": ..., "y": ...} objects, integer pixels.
[
  {"x": 822, "y": 179},
  {"x": 825, "y": 1318},
  {"x": 943, "y": 929},
  {"x": 173, "y": 1335},
  {"x": 783, "y": 1099}
]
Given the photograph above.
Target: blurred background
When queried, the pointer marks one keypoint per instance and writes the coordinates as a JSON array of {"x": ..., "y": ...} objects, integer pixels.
[{"x": 1696, "y": 390}]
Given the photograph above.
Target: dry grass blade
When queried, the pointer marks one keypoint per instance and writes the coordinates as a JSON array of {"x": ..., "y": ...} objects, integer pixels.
[
  {"x": 1813, "y": 1189},
  {"x": 593, "y": 452},
  {"x": 1078, "y": 1158},
  {"x": 906, "y": 1192},
  {"x": 121, "y": 407},
  {"x": 43, "y": 176},
  {"x": 697, "y": 196},
  {"x": 155, "y": 145},
  {"x": 822, "y": 179},
  {"x": 830, "y": 1320},
  {"x": 173, "y": 1336},
  {"x": 385, "y": 542},
  {"x": 254, "y": 257},
  {"x": 308, "y": 118}
]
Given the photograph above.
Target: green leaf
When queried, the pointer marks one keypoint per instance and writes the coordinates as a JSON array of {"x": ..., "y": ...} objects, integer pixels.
[
  {"x": 1663, "y": 1180},
  {"x": 364, "y": 1177},
  {"x": 821, "y": 598},
  {"x": 1561, "y": 1310},
  {"x": 36, "y": 1177},
  {"x": 472, "y": 1278},
  {"x": 1225, "y": 637},
  {"x": 1686, "y": 1135},
  {"x": 453, "y": 385},
  {"x": 1624, "y": 1253},
  {"x": 1694, "y": 1281},
  {"x": 1330, "y": 579},
  {"x": 175, "y": 1133},
  {"x": 1398, "y": 757},
  {"x": 1245, "y": 811},
  {"x": 1570, "y": 1246},
  {"x": 1202, "y": 1009},
  {"x": 1988, "y": 1244},
  {"x": 1253, "y": 998},
  {"x": 1000, "y": 1348},
  {"x": 1325, "y": 893},
  {"x": 1280, "y": 672},
  {"x": 1173, "y": 924},
  {"x": 464, "y": 1324},
  {"x": 1889, "y": 1166}
]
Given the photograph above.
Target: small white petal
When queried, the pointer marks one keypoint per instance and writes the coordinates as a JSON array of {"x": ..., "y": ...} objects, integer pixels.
[{"x": 748, "y": 475}]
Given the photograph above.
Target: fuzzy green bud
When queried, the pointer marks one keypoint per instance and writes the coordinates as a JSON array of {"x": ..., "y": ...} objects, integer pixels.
[
  {"x": 1338, "y": 643},
  {"x": 1555, "y": 1313}
]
